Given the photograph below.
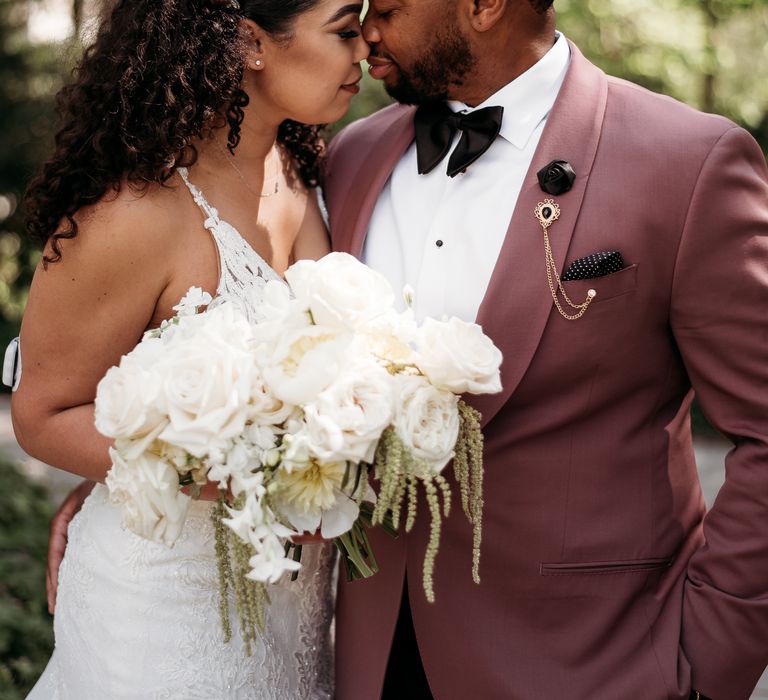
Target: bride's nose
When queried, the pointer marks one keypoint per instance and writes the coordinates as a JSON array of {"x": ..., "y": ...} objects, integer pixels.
[{"x": 362, "y": 49}]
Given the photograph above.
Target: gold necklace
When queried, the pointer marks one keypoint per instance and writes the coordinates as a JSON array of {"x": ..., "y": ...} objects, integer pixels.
[{"x": 239, "y": 172}]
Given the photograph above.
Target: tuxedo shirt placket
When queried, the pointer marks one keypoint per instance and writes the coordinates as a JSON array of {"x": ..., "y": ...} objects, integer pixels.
[{"x": 442, "y": 235}]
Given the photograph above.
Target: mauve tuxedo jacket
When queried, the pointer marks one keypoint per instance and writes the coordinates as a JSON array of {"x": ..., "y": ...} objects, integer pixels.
[{"x": 602, "y": 579}]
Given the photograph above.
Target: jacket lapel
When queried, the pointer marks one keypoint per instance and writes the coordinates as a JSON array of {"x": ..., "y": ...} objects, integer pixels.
[
  {"x": 518, "y": 301},
  {"x": 350, "y": 225}
]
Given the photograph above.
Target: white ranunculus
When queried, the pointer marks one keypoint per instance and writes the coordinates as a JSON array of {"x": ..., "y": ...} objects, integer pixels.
[
  {"x": 304, "y": 362},
  {"x": 207, "y": 377},
  {"x": 126, "y": 397},
  {"x": 147, "y": 491},
  {"x": 426, "y": 420},
  {"x": 339, "y": 290},
  {"x": 347, "y": 419},
  {"x": 459, "y": 357}
]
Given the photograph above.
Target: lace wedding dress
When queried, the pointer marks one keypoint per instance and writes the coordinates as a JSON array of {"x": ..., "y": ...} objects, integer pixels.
[{"x": 137, "y": 620}]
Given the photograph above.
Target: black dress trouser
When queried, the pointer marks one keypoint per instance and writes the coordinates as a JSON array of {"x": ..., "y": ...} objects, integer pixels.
[{"x": 405, "y": 678}]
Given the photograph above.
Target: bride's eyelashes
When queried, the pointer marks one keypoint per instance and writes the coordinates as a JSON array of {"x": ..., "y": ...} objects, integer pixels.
[
  {"x": 349, "y": 34},
  {"x": 351, "y": 31}
]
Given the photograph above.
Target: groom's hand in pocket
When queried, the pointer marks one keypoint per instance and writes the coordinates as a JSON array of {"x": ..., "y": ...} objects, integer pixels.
[{"x": 57, "y": 538}]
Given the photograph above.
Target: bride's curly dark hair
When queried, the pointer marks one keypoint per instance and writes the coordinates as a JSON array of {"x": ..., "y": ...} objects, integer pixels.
[{"x": 160, "y": 74}]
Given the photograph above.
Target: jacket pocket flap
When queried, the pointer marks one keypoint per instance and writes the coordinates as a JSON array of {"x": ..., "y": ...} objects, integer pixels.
[{"x": 604, "y": 567}]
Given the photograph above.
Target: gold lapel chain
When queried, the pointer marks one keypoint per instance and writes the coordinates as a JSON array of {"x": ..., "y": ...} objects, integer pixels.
[{"x": 547, "y": 212}]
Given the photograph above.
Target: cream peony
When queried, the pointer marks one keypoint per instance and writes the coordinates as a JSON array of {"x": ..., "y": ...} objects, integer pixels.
[
  {"x": 304, "y": 362},
  {"x": 339, "y": 290},
  {"x": 391, "y": 337},
  {"x": 426, "y": 420},
  {"x": 459, "y": 357}
]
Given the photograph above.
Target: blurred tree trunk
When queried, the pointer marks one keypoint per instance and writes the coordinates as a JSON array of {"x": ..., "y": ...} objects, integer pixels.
[
  {"x": 77, "y": 16},
  {"x": 709, "y": 78}
]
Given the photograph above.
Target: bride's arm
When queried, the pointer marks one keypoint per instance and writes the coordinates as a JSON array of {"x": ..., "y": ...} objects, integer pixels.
[{"x": 84, "y": 312}]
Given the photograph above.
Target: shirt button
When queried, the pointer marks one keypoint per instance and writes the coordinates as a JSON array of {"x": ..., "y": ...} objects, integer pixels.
[{"x": 439, "y": 243}]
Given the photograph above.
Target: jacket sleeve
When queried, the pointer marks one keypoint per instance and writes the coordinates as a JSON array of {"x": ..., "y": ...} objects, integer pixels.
[{"x": 719, "y": 316}]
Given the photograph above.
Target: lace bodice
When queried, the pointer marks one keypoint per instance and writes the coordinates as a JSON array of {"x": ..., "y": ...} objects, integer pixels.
[
  {"x": 242, "y": 271},
  {"x": 136, "y": 620}
]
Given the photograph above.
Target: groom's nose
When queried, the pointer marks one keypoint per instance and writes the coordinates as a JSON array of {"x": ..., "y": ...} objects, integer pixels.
[{"x": 371, "y": 31}]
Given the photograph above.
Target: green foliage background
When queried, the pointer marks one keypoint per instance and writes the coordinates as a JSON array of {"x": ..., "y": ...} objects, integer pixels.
[
  {"x": 712, "y": 54},
  {"x": 26, "y": 636}
]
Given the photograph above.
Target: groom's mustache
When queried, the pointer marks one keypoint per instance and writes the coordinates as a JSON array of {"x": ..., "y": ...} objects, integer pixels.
[{"x": 376, "y": 53}]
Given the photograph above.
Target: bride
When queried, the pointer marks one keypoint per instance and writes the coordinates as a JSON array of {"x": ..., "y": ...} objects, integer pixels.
[{"x": 183, "y": 160}]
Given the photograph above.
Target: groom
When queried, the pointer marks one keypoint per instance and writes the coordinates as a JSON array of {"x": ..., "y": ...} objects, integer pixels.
[{"x": 602, "y": 579}]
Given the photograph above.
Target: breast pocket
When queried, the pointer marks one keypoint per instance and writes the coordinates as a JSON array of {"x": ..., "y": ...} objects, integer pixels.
[{"x": 608, "y": 287}]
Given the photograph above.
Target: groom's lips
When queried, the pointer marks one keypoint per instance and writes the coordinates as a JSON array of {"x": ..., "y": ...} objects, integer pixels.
[{"x": 379, "y": 68}]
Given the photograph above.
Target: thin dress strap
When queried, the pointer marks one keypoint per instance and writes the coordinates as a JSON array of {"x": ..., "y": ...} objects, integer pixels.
[{"x": 243, "y": 273}]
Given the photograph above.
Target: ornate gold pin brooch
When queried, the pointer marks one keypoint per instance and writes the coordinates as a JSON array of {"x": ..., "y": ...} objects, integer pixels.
[{"x": 547, "y": 212}]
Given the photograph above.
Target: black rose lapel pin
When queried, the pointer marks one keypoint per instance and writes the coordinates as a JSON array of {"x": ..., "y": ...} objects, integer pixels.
[{"x": 557, "y": 178}]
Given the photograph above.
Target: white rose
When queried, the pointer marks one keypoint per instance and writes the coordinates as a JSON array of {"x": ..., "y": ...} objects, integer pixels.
[
  {"x": 126, "y": 400},
  {"x": 147, "y": 490},
  {"x": 207, "y": 377},
  {"x": 459, "y": 357},
  {"x": 339, "y": 290},
  {"x": 304, "y": 362},
  {"x": 426, "y": 420},
  {"x": 347, "y": 419}
]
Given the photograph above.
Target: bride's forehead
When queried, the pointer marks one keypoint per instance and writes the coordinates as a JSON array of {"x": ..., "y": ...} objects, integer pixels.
[{"x": 334, "y": 10}]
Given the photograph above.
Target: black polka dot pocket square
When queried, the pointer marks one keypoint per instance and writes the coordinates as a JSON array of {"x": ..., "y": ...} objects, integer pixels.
[{"x": 594, "y": 266}]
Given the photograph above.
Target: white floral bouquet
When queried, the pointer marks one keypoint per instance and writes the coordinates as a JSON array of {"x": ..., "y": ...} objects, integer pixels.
[{"x": 290, "y": 417}]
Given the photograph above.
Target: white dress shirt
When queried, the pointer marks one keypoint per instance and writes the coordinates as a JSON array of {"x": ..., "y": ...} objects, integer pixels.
[{"x": 442, "y": 235}]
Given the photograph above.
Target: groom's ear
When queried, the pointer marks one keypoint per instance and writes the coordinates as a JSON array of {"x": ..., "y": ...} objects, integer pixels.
[
  {"x": 253, "y": 38},
  {"x": 485, "y": 14}
]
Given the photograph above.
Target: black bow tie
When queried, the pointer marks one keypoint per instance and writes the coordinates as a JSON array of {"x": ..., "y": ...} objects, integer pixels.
[{"x": 436, "y": 126}]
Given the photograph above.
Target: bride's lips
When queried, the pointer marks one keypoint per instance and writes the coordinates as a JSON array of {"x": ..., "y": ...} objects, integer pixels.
[
  {"x": 354, "y": 88},
  {"x": 379, "y": 68}
]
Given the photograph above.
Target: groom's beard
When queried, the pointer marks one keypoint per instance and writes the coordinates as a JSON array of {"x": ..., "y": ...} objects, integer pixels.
[{"x": 444, "y": 64}]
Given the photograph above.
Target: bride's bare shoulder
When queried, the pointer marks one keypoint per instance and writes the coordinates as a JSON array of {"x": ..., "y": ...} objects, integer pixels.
[{"x": 141, "y": 222}]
